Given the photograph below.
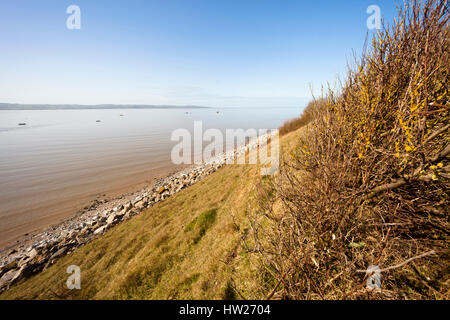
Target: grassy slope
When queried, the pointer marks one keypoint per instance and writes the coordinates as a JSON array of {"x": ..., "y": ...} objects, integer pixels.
[{"x": 187, "y": 247}]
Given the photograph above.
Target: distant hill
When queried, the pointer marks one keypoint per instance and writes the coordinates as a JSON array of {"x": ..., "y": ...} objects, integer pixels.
[{"x": 16, "y": 106}]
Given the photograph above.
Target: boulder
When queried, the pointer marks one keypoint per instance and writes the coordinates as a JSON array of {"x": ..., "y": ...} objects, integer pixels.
[
  {"x": 162, "y": 190},
  {"x": 110, "y": 219},
  {"x": 7, "y": 278},
  {"x": 141, "y": 204},
  {"x": 119, "y": 216},
  {"x": 118, "y": 208},
  {"x": 130, "y": 214},
  {"x": 10, "y": 266},
  {"x": 128, "y": 207},
  {"x": 100, "y": 230},
  {"x": 59, "y": 253},
  {"x": 32, "y": 254},
  {"x": 93, "y": 223},
  {"x": 25, "y": 270},
  {"x": 23, "y": 261}
]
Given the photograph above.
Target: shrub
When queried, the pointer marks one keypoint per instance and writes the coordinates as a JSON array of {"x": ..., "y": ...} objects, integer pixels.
[
  {"x": 314, "y": 107},
  {"x": 368, "y": 183}
]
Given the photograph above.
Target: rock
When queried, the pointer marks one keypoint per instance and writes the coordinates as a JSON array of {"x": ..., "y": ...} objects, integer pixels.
[
  {"x": 162, "y": 190},
  {"x": 32, "y": 254},
  {"x": 110, "y": 219},
  {"x": 59, "y": 253},
  {"x": 128, "y": 207},
  {"x": 84, "y": 232},
  {"x": 141, "y": 204},
  {"x": 12, "y": 276},
  {"x": 7, "y": 278},
  {"x": 133, "y": 212},
  {"x": 100, "y": 230},
  {"x": 10, "y": 266},
  {"x": 114, "y": 219},
  {"x": 23, "y": 261},
  {"x": 26, "y": 270}
]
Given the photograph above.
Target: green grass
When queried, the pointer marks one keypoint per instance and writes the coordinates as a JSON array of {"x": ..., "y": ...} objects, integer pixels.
[{"x": 201, "y": 224}]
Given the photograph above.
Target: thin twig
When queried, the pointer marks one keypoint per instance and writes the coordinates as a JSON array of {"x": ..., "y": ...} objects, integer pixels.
[
  {"x": 403, "y": 263},
  {"x": 436, "y": 133},
  {"x": 274, "y": 290}
]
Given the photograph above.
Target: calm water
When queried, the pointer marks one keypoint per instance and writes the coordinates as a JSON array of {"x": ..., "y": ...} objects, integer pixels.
[{"x": 63, "y": 159}]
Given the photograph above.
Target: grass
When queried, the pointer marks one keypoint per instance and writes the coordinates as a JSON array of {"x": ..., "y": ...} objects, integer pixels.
[
  {"x": 201, "y": 224},
  {"x": 157, "y": 254}
]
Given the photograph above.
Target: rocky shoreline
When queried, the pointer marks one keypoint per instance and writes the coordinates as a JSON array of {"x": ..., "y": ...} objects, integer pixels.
[{"x": 45, "y": 248}]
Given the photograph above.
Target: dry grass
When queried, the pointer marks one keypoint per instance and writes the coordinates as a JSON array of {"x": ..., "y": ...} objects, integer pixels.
[{"x": 367, "y": 183}]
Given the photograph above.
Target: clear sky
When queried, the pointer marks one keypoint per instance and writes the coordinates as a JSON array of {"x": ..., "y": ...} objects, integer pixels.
[{"x": 220, "y": 53}]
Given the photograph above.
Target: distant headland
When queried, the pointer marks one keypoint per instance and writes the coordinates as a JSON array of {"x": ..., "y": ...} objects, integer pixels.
[{"x": 16, "y": 106}]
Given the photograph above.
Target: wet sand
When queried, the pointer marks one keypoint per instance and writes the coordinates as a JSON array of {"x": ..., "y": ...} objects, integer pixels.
[{"x": 45, "y": 208}]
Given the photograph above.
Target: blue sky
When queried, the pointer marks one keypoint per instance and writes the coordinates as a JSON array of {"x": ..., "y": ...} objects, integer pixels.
[{"x": 213, "y": 53}]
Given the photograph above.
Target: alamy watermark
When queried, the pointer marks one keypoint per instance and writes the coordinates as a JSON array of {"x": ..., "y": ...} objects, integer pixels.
[
  {"x": 374, "y": 20},
  {"x": 235, "y": 147},
  {"x": 74, "y": 280},
  {"x": 73, "y": 22}
]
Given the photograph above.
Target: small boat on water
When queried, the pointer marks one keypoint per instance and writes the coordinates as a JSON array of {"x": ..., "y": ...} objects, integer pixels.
[
  {"x": 98, "y": 121},
  {"x": 22, "y": 124}
]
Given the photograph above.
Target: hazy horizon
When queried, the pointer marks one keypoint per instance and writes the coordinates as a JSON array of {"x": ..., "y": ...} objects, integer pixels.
[{"x": 105, "y": 106}]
